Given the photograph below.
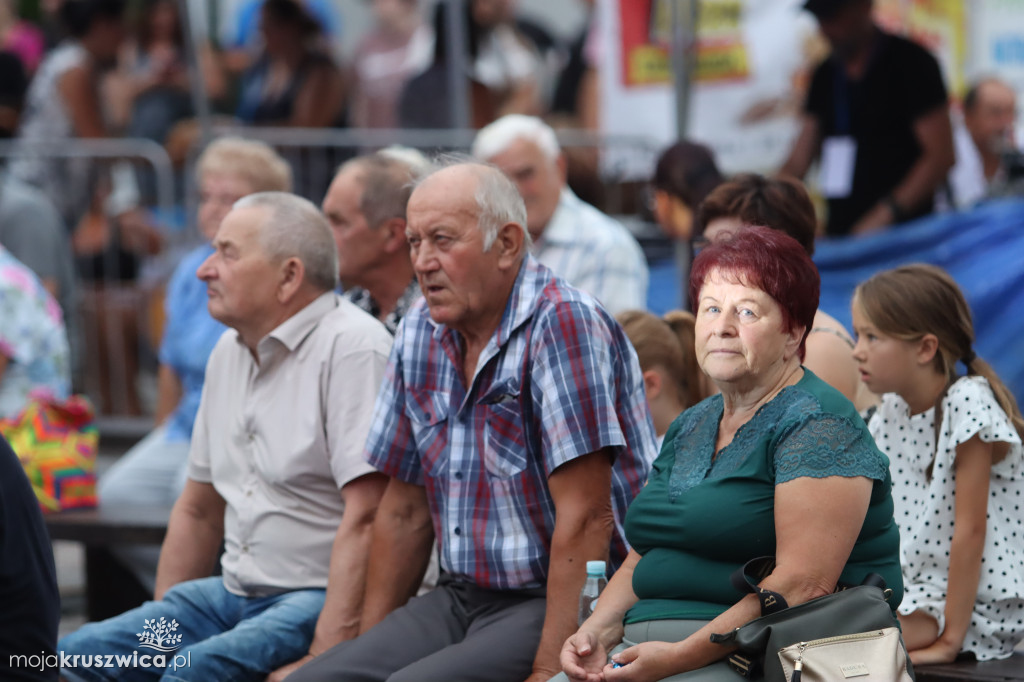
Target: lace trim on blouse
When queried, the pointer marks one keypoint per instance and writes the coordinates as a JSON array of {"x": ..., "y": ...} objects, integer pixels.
[{"x": 808, "y": 442}]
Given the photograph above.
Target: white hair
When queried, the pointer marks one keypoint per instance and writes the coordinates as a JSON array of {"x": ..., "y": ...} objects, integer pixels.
[
  {"x": 496, "y": 137},
  {"x": 295, "y": 227},
  {"x": 497, "y": 199}
]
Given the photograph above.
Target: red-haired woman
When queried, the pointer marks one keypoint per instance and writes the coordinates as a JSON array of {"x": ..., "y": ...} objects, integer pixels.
[{"x": 778, "y": 463}]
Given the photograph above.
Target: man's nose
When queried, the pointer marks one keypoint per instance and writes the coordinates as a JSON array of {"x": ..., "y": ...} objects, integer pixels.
[
  {"x": 206, "y": 270},
  {"x": 424, "y": 259}
]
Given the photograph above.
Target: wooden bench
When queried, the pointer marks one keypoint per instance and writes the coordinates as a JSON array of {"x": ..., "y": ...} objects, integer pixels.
[
  {"x": 988, "y": 671},
  {"x": 110, "y": 588}
]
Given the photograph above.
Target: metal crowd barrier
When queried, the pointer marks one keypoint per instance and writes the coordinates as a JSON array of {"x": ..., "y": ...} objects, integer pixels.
[
  {"x": 117, "y": 318},
  {"x": 112, "y": 308},
  {"x": 603, "y": 168}
]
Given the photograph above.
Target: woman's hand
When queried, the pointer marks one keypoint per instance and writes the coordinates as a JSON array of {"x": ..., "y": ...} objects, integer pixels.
[
  {"x": 583, "y": 656},
  {"x": 644, "y": 662},
  {"x": 936, "y": 652}
]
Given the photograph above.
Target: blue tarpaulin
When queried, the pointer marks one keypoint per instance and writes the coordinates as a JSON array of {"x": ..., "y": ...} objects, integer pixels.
[{"x": 982, "y": 249}]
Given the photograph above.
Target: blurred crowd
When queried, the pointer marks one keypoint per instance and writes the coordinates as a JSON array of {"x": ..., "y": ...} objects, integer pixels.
[
  {"x": 408, "y": 363},
  {"x": 877, "y": 126}
]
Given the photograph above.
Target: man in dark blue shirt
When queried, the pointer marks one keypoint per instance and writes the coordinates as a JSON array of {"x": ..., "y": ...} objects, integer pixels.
[
  {"x": 29, "y": 602},
  {"x": 877, "y": 119}
]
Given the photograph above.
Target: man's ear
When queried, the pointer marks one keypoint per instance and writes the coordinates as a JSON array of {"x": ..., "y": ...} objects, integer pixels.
[
  {"x": 510, "y": 242},
  {"x": 394, "y": 240},
  {"x": 292, "y": 275},
  {"x": 927, "y": 348},
  {"x": 562, "y": 164}
]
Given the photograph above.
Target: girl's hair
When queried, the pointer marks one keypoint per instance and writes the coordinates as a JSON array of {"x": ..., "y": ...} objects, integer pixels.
[
  {"x": 668, "y": 342},
  {"x": 910, "y": 301}
]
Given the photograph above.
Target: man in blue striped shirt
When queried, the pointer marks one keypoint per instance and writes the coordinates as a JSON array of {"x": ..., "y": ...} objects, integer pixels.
[{"x": 590, "y": 250}]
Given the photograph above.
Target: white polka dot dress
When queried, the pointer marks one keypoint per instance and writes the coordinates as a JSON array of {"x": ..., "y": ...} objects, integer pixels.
[{"x": 925, "y": 514}]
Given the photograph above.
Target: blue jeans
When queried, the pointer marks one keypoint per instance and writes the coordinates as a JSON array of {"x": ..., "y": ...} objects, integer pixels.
[{"x": 224, "y": 637}]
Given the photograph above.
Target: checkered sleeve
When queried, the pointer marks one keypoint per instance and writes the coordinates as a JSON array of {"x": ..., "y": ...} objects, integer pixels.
[
  {"x": 390, "y": 447},
  {"x": 574, "y": 384}
]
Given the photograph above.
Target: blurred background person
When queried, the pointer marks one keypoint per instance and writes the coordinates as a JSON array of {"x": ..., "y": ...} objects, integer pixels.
[
  {"x": 64, "y": 101},
  {"x": 575, "y": 102},
  {"x": 241, "y": 34},
  {"x": 591, "y": 250},
  {"x": 365, "y": 207},
  {"x": 684, "y": 174},
  {"x": 507, "y": 62},
  {"x": 877, "y": 119},
  {"x": 399, "y": 46},
  {"x": 99, "y": 202},
  {"x": 783, "y": 204},
  {"x": 20, "y": 37},
  {"x": 294, "y": 81},
  {"x": 505, "y": 70},
  {"x": 984, "y": 140},
  {"x": 34, "y": 354},
  {"x": 150, "y": 89},
  {"x": 665, "y": 348},
  {"x": 153, "y": 472},
  {"x": 13, "y": 84}
]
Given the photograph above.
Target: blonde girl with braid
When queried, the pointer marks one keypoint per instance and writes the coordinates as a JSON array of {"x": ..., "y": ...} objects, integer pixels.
[{"x": 954, "y": 443}]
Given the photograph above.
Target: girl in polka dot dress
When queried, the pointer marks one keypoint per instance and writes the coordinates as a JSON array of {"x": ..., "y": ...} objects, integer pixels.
[{"x": 954, "y": 445}]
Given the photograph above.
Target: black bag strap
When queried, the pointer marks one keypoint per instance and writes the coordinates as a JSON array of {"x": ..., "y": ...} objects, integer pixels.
[{"x": 746, "y": 579}]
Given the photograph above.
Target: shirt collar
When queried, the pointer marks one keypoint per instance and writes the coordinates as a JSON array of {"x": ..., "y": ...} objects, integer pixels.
[
  {"x": 296, "y": 328},
  {"x": 561, "y": 227},
  {"x": 530, "y": 283}
]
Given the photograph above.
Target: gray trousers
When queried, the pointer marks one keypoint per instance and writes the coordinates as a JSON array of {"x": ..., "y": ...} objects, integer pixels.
[
  {"x": 670, "y": 631},
  {"x": 456, "y": 632}
]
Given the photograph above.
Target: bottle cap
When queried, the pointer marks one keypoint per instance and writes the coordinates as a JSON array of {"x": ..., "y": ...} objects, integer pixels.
[{"x": 595, "y": 568}]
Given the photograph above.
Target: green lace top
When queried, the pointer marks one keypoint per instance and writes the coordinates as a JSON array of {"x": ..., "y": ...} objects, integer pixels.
[{"x": 702, "y": 516}]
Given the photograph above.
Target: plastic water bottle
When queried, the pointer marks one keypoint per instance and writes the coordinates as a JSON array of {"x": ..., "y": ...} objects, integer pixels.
[{"x": 592, "y": 588}]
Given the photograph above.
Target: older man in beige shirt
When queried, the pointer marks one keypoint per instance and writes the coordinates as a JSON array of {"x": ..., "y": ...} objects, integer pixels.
[{"x": 275, "y": 469}]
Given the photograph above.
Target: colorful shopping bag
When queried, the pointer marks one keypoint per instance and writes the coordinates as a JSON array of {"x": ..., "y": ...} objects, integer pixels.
[{"x": 56, "y": 442}]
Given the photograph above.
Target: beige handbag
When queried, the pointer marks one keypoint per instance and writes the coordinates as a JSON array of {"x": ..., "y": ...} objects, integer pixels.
[{"x": 874, "y": 656}]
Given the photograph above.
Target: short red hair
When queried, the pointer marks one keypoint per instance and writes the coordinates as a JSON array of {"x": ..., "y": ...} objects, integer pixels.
[{"x": 771, "y": 261}]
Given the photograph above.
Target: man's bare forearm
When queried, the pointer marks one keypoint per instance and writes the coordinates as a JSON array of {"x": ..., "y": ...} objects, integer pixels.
[
  {"x": 571, "y": 547},
  {"x": 194, "y": 534},
  {"x": 399, "y": 554},
  {"x": 350, "y": 554}
]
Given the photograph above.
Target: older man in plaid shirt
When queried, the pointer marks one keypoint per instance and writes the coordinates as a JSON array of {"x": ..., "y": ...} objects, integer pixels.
[{"x": 514, "y": 426}]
